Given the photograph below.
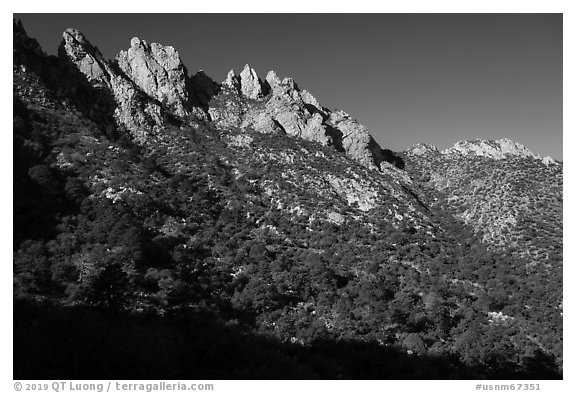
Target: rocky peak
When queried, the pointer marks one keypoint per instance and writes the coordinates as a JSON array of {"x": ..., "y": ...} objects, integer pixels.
[
  {"x": 423, "y": 149},
  {"x": 158, "y": 71},
  {"x": 148, "y": 78},
  {"x": 549, "y": 161},
  {"x": 272, "y": 79},
  {"x": 496, "y": 149},
  {"x": 311, "y": 101},
  {"x": 134, "y": 109},
  {"x": 299, "y": 114},
  {"x": 250, "y": 84},
  {"x": 86, "y": 57},
  {"x": 232, "y": 81}
]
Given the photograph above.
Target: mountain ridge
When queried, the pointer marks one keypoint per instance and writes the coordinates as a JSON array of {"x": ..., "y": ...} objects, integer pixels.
[
  {"x": 144, "y": 190},
  {"x": 175, "y": 91},
  {"x": 497, "y": 149}
]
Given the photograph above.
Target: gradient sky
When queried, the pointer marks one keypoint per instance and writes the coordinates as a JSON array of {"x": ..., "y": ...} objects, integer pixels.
[{"x": 408, "y": 78}]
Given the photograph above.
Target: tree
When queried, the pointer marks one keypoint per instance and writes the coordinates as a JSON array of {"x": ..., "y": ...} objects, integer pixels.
[{"x": 109, "y": 289}]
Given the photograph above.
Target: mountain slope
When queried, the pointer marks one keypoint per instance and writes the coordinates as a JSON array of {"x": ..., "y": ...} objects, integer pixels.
[{"x": 143, "y": 190}]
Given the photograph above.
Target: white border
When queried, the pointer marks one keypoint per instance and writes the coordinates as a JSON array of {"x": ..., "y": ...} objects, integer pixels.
[{"x": 420, "y": 6}]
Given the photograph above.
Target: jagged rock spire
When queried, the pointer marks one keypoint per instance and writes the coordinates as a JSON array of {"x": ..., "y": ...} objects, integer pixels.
[
  {"x": 158, "y": 71},
  {"x": 232, "y": 81},
  {"x": 150, "y": 78},
  {"x": 250, "y": 84},
  {"x": 299, "y": 114},
  {"x": 272, "y": 79},
  {"x": 89, "y": 60},
  {"x": 139, "y": 114}
]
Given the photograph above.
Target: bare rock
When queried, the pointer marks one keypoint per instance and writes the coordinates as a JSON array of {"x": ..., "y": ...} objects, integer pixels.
[
  {"x": 289, "y": 112},
  {"x": 356, "y": 140},
  {"x": 261, "y": 122},
  {"x": 549, "y": 161},
  {"x": 336, "y": 218},
  {"x": 497, "y": 149},
  {"x": 287, "y": 107},
  {"x": 272, "y": 79},
  {"x": 316, "y": 131},
  {"x": 422, "y": 149},
  {"x": 86, "y": 57},
  {"x": 298, "y": 113},
  {"x": 310, "y": 100},
  {"x": 232, "y": 81},
  {"x": 250, "y": 84},
  {"x": 158, "y": 71},
  {"x": 134, "y": 110},
  {"x": 227, "y": 110}
]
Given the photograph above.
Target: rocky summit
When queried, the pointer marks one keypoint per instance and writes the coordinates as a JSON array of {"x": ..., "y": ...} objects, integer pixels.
[
  {"x": 243, "y": 230},
  {"x": 498, "y": 149},
  {"x": 158, "y": 71}
]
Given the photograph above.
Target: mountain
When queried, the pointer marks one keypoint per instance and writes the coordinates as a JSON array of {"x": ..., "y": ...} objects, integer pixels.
[{"x": 159, "y": 213}]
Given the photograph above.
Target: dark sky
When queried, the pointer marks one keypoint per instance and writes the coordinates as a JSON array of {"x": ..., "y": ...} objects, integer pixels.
[{"x": 408, "y": 78}]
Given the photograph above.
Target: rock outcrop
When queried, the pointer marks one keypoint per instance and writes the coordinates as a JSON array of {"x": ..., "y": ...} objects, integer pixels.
[
  {"x": 135, "y": 111},
  {"x": 261, "y": 122},
  {"x": 423, "y": 149},
  {"x": 495, "y": 149},
  {"x": 149, "y": 83},
  {"x": 301, "y": 115},
  {"x": 356, "y": 140},
  {"x": 250, "y": 84},
  {"x": 158, "y": 71},
  {"x": 311, "y": 102},
  {"x": 316, "y": 131},
  {"x": 272, "y": 79},
  {"x": 232, "y": 81},
  {"x": 87, "y": 58},
  {"x": 285, "y": 107}
]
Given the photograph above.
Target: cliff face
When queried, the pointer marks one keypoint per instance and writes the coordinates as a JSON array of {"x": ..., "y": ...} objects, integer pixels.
[
  {"x": 139, "y": 113},
  {"x": 158, "y": 71},
  {"x": 148, "y": 81}
]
